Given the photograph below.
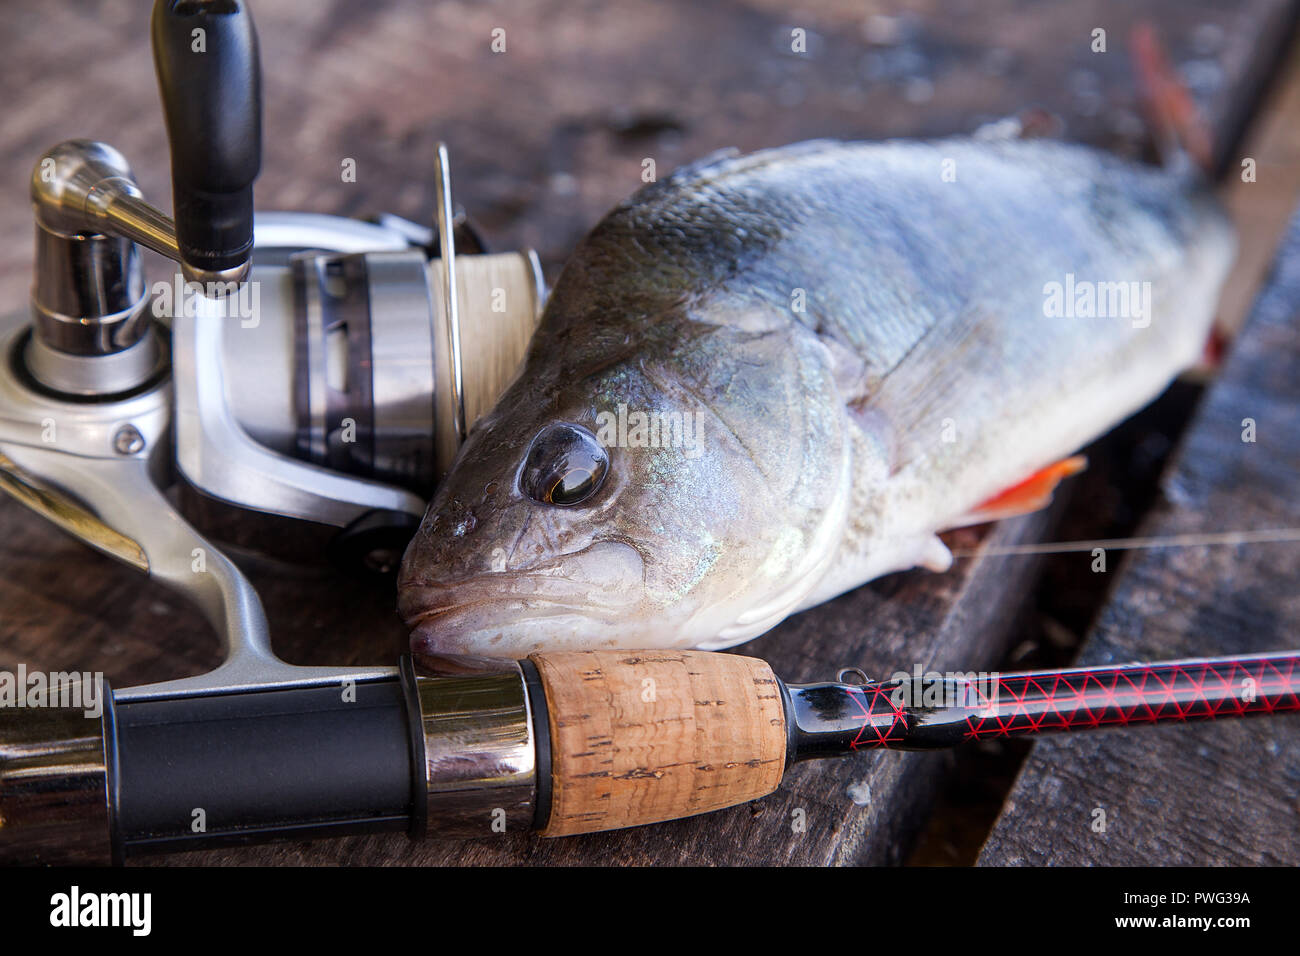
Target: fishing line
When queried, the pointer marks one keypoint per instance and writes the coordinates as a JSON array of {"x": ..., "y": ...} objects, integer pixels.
[{"x": 1203, "y": 539}]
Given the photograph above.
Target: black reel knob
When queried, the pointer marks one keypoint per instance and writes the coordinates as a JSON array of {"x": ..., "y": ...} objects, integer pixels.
[{"x": 205, "y": 54}]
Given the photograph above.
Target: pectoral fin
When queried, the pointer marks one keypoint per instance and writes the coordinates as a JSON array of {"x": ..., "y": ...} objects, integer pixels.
[{"x": 1032, "y": 494}]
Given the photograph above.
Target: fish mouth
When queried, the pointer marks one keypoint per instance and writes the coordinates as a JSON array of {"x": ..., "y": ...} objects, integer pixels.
[
  {"x": 567, "y": 601},
  {"x": 512, "y": 629}
]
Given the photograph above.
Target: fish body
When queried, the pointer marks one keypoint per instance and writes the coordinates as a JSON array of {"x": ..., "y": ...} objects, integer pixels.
[{"x": 861, "y": 342}]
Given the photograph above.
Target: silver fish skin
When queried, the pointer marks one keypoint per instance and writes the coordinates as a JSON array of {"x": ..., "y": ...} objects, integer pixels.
[{"x": 872, "y": 339}]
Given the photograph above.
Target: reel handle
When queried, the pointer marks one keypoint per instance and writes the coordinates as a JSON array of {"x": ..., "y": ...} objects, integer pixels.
[{"x": 205, "y": 54}]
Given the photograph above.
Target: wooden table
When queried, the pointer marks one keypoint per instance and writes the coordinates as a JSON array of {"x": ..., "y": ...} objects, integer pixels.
[{"x": 544, "y": 138}]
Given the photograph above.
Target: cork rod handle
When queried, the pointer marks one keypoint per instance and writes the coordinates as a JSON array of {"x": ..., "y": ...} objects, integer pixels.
[{"x": 645, "y": 736}]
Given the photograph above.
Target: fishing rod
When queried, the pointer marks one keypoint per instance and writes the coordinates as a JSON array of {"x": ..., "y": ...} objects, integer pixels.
[
  {"x": 563, "y": 744},
  {"x": 928, "y": 712}
]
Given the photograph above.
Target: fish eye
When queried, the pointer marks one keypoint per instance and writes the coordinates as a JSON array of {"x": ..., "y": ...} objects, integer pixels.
[{"x": 565, "y": 465}]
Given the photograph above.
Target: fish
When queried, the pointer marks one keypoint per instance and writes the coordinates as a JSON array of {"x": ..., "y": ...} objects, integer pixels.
[{"x": 768, "y": 379}]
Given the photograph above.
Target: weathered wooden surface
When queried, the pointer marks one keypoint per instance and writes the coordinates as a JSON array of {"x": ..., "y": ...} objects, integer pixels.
[
  {"x": 1226, "y": 792},
  {"x": 544, "y": 137}
]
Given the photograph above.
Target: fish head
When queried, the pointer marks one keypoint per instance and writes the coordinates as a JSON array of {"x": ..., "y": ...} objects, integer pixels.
[{"x": 633, "y": 491}]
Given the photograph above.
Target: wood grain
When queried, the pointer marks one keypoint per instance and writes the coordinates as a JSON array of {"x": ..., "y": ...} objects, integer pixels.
[
  {"x": 646, "y": 737},
  {"x": 1221, "y": 793}
]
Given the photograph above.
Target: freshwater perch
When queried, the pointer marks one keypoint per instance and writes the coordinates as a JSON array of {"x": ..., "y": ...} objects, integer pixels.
[{"x": 768, "y": 379}]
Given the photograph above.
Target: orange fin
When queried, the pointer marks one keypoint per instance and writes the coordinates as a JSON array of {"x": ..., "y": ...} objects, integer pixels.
[{"x": 1032, "y": 494}]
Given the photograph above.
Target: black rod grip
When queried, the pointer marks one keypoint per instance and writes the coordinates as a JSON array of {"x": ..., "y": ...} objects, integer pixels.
[
  {"x": 246, "y": 766},
  {"x": 205, "y": 54}
]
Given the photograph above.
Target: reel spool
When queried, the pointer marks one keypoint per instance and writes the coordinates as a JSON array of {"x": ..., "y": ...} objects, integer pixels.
[
  {"x": 390, "y": 371},
  {"x": 359, "y": 366},
  {"x": 373, "y": 367}
]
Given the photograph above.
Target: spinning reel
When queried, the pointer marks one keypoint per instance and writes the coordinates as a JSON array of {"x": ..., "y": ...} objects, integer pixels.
[{"x": 300, "y": 366}]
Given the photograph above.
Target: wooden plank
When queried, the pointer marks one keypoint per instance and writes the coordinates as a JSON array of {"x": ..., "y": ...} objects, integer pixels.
[
  {"x": 544, "y": 138},
  {"x": 1265, "y": 197},
  {"x": 1215, "y": 793}
]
